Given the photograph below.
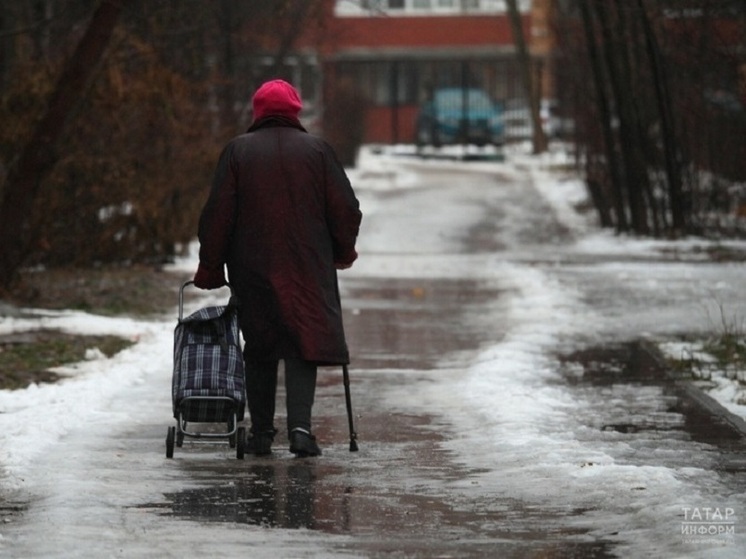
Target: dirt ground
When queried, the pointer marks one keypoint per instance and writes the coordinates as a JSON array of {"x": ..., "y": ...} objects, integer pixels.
[
  {"x": 139, "y": 291},
  {"x": 132, "y": 290}
]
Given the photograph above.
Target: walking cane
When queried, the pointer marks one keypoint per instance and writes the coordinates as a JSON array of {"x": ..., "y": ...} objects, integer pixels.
[
  {"x": 348, "y": 401},
  {"x": 348, "y": 398}
]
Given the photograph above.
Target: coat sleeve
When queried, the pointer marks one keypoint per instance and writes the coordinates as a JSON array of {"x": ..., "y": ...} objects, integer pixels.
[
  {"x": 216, "y": 224},
  {"x": 343, "y": 215}
]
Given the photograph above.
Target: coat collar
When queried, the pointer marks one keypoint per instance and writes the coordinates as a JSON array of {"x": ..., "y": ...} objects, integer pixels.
[{"x": 273, "y": 121}]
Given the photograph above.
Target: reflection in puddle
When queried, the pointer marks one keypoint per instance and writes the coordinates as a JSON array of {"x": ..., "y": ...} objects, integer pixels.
[
  {"x": 391, "y": 497},
  {"x": 279, "y": 494}
]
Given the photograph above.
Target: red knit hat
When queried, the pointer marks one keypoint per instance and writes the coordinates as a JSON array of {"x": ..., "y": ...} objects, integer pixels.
[{"x": 276, "y": 97}]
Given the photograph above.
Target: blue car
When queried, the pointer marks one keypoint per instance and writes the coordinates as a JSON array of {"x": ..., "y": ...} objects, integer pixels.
[{"x": 460, "y": 116}]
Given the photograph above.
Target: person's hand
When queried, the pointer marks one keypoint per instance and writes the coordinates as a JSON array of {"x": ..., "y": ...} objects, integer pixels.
[
  {"x": 209, "y": 279},
  {"x": 344, "y": 264}
]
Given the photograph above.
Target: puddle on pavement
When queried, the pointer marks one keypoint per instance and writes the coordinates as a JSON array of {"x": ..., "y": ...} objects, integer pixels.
[
  {"x": 391, "y": 497},
  {"x": 632, "y": 368},
  {"x": 412, "y": 324}
]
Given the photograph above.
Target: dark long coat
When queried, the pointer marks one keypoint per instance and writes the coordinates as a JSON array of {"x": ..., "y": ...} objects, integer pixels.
[{"x": 282, "y": 216}]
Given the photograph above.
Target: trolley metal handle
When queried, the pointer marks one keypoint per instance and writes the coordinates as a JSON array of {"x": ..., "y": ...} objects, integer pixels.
[{"x": 191, "y": 282}]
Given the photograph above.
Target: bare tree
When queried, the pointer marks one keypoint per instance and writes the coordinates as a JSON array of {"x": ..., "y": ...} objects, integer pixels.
[
  {"x": 39, "y": 155},
  {"x": 660, "y": 132},
  {"x": 668, "y": 133},
  {"x": 524, "y": 63},
  {"x": 618, "y": 190}
]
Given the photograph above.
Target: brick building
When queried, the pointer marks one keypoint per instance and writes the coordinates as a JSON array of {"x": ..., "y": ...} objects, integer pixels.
[{"x": 380, "y": 59}]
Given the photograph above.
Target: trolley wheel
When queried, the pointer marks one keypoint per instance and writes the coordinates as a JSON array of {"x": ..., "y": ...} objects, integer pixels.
[
  {"x": 179, "y": 438},
  {"x": 170, "y": 436},
  {"x": 240, "y": 442}
]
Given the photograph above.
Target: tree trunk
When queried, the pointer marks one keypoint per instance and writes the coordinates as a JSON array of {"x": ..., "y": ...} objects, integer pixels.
[
  {"x": 605, "y": 113},
  {"x": 635, "y": 170},
  {"x": 38, "y": 157},
  {"x": 668, "y": 133},
  {"x": 524, "y": 63}
]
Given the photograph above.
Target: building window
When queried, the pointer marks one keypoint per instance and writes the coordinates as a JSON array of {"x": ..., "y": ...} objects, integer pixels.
[{"x": 420, "y": 7}]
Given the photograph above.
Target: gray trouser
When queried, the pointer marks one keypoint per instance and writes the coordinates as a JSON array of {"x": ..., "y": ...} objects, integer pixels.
[{"x": 261, "y": 390}]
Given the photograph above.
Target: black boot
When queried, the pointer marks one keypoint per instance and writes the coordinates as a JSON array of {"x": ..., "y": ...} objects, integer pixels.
[
  {"x": 260, "y": 444},
  {"x": 303, "y": 443}
]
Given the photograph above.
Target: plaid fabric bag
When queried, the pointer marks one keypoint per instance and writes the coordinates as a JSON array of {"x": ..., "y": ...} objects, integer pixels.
[{"x": 208, "y": 362}]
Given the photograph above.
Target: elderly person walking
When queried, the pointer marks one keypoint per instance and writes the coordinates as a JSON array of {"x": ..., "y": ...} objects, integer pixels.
[{"x": 282, "y": 217}]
